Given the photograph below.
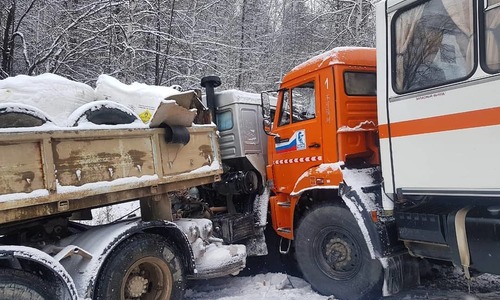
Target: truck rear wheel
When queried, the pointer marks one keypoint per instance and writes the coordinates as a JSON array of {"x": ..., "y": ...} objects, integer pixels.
[
  {"x": 22, "y": 285},
  {"x": 333, "y": 256},
  {"x": 144, "y": 267}
]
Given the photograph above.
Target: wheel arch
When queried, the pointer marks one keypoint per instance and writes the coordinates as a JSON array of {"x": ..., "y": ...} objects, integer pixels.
[
  {"x": 373, "y": 233},
  {"x": 333, "y": 256},
  {"x": 86, "y": 272},
  {"x": 178, "y": 240},
  {"x": 39, "y": 264}
]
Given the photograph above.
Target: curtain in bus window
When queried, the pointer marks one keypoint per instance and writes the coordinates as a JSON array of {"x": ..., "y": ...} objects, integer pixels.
[
  {"x": 405, "y": 30},
  {"x": 434, "y": 44},
  {"x": 461, "y": 13},
  {"x": 493, "y": 38}
]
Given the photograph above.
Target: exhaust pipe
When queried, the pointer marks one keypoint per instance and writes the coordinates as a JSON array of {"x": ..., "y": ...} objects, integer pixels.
[{"x": 210, "y": 83}]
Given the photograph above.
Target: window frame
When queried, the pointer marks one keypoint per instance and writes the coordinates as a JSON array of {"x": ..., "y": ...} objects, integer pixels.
[
  {"x": 358, "y": 71},
  {"x": 393, "y": 51},
  {"x": 230, "y": 111},
  {"x": 289, "y": 91},
  {"x": 481, "y": 12},
  {"x": 292, "y": 101},
  {"x": 282, "y": 100}
]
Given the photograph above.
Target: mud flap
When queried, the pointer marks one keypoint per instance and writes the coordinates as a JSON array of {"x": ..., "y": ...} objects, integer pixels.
[{"x": 400, "y": 272}]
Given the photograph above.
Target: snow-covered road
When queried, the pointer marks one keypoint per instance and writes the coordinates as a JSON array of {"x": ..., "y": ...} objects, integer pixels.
[
  {"x": 440, "y": 283},
  {"x": 278, "y": 286},
  {"x": 273, "y": 286}
]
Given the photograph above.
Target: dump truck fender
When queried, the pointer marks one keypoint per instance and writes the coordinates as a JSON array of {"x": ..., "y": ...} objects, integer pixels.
[
  {"x": 14, "y": 257},
  {"x": 99, "y": 242}
]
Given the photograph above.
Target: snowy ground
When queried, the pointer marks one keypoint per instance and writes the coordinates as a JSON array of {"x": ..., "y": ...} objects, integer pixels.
[
  {"x": 275, "y": 277},
  {"x": 441, "y": 282},
  {"x": 272, "y": 286}
]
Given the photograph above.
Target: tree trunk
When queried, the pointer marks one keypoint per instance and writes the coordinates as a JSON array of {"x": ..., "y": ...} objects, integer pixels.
[
  {"x": 8, "y": 43},
  {"x": 242, "y": 45},
  {"x": 157, "y": 43},
  {"x": 169, "y": 42}
]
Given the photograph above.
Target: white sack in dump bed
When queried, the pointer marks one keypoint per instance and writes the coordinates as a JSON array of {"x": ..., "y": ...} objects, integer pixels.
[
  {"x": 54, "y": 95},
  {"x": 145, "y": 99}
]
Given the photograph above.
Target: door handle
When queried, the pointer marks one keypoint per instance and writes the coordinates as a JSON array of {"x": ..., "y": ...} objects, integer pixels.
[
  {"x": 314, "y": 145},
  {"x": 278, "y": 139}
]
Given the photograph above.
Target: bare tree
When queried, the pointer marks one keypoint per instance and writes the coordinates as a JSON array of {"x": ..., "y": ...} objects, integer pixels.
[{"x": 249, "y": 44}]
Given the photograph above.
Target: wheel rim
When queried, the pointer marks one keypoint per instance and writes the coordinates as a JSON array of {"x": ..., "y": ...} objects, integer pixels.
[
  {"x": 337, "y": 253},
  {"x": 148, "y": 278}
]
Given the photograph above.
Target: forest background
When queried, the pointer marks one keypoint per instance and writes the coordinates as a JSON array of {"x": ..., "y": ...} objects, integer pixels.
[{"x": 250, "y": 44}]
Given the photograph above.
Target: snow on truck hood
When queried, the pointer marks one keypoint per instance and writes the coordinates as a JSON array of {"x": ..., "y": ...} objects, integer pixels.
[{"x": 59, "y": 98}]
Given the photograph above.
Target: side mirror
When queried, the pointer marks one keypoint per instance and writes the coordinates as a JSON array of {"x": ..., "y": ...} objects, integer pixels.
[
  {"x": 267, "y": 125},
  {"x": 266, "y": 105},
  {"x": 266, "y": 114}
]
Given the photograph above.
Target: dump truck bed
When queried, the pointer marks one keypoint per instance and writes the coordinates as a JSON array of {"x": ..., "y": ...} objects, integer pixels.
[{"x": 51, "y": 172}]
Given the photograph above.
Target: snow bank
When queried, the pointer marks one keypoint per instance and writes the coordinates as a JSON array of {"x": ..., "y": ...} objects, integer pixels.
[
  {"x": 56, "y": 96},
  {"x": 270, "y": 286},
  {"x": 141, "y": 98},
  {"x": 62, "y": 101}
]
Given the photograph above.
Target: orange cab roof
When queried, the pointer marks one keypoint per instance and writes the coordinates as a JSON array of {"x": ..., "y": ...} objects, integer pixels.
[{"x": 355, "y": 56}]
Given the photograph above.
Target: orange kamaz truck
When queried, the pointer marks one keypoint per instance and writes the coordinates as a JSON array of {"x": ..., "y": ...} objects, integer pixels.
[{"x": 323, "y": 170}]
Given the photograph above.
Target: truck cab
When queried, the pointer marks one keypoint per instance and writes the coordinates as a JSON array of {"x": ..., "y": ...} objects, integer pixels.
[
  {"x": 322, "y": 156},
  {"x": 326, "y": 114}
]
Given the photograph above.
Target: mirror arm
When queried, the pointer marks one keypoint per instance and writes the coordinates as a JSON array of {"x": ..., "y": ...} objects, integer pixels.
[{"x": 268, "y": 132}]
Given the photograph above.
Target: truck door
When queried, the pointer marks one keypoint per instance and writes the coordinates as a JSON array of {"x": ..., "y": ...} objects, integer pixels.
[
  {"x": 298, "y": 145},
  {"x": 356, "y": 107}
]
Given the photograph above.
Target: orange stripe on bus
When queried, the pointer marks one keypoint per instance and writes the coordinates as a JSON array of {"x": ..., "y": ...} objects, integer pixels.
[{"x": 464, "y": 120}]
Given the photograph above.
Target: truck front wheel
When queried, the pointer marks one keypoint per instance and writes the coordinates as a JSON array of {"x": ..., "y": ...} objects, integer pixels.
[
  {"x": 333, "y": 256},
  {"x": 144, "y": 267}
]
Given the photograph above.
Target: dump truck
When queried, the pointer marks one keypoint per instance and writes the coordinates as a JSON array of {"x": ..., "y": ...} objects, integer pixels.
[
  {"x": 60, "y": 158},
  {"x": 380, "y": 158}
]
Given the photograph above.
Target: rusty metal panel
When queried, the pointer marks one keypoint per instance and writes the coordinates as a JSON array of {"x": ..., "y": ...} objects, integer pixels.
[
  {"x": 199, "y": 152},
  {"x": 85, "y": 161},
  {"x": 34, "y": 209},
  {"x": 34, "y": 160},
  {"x": 20, "y": 168}
]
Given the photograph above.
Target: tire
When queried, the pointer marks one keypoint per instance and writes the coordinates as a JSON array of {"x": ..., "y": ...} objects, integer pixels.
[
  {"x": 22, "y": 285},
  {"x": 143, "y": 267},
  {"x": 19, "y": 119},
  {"x": 333, "y": 257},
  {"x": 107, "y": 116}
]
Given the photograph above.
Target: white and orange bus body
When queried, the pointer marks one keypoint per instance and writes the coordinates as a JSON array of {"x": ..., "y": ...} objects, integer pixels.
[
  {"x": 438, "y": 73},
  {"x": 438, "y": 65}
]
